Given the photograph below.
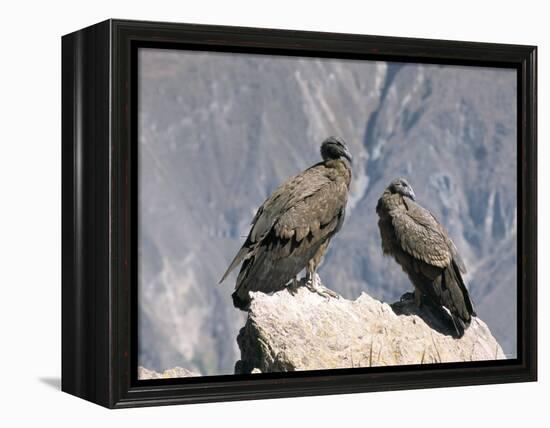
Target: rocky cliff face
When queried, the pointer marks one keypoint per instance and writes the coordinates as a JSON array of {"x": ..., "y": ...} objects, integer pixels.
[
  {"x": 305, "y": 331},
  {"x": 218, "y": 132},
  {"x": 144, "y": 374}
]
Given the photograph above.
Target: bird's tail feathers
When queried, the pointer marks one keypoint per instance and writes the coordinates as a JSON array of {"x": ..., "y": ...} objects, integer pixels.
[
  {"x": 241, "y": 255},
  {"x": 460, "y": 325},
  {"x": 467, "y": 299},
  {"x": 239, "y": 302},
  {"x": 461, "y": 307},
  {"x": 241, "y": 298}
]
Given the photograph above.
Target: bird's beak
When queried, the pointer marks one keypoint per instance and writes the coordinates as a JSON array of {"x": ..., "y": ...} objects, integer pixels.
[
  {"x": 410, "y": 194},
  {"x": 348, "y": 156}
]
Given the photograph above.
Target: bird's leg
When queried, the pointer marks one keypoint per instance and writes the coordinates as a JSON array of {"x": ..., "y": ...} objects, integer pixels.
[
  {"x": 293, "y": 287},
  {"x": 314, "y": 284},
  {"x": 408, "y": 298},
  {"x": 309, "y": 275},
  {"x": 418, "y": 298}
]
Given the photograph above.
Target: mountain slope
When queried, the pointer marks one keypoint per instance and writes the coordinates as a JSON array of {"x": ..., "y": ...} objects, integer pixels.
[{"x": 218, "y": 132}]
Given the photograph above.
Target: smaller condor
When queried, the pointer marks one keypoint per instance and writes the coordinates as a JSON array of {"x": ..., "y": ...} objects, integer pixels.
[{"x": 423, "y": 249}]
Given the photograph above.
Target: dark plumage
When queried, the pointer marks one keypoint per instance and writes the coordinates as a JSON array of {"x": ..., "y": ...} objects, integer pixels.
[
  {"x": 293, "y": 227},
  {"x": 422, "y": 247}
]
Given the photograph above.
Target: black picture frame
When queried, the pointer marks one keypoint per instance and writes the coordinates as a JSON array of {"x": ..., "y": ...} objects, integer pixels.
[{"x": 99, "y": 208}]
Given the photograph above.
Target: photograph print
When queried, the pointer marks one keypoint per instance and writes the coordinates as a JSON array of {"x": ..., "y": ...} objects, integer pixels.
[{"x": 301, "y": 213}]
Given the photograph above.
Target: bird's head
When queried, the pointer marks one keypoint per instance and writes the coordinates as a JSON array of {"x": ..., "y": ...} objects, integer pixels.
[
  {"x": 335, "y": 148},
  {"x": 402, "y": 187}
]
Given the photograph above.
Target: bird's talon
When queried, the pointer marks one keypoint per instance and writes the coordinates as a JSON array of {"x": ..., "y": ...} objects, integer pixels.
[
  {"x": 293, "y": 287},
  {"x": 407, "y": 297},
  {"x": 315, "y": 286}
]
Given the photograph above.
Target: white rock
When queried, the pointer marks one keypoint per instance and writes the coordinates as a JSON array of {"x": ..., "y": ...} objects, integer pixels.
[
  {"x": 306, "y": 331},
  {"x": 175, "y": 372}
]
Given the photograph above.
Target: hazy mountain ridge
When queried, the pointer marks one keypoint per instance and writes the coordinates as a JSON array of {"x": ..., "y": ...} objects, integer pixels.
[{"x": 219, "y": 132}]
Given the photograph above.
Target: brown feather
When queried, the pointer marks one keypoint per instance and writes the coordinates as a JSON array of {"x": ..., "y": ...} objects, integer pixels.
[{"x": 423, "y": 249}]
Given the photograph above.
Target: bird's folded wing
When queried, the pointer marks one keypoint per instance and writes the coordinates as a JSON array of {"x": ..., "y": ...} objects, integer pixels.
[
  {"x": 311, "y": 220},
  {"x": 287, "y": 195},
  {"x": 421, "y": 236},
  {"x": 457, "y": 257}
]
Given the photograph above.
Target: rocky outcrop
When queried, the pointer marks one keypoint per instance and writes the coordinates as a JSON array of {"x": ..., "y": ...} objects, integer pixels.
[
  {"x": 306, "y": 331},
  {"x": 175, "y": 372}
]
